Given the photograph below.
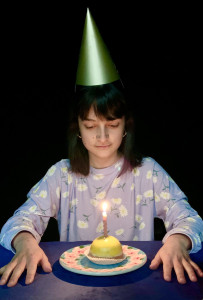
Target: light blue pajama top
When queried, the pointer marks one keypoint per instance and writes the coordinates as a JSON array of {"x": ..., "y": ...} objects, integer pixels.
[{"x": 134, "y": 199}]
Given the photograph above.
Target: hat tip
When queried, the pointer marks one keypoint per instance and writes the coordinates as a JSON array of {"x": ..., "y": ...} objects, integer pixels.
[{"x": 88, "y": 15}]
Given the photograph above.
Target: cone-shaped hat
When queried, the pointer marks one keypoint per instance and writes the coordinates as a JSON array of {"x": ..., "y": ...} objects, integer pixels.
[{"x": 95, "y": 66}]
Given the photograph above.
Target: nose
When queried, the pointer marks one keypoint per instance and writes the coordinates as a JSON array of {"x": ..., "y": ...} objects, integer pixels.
[{"x": 102, "y": 134}]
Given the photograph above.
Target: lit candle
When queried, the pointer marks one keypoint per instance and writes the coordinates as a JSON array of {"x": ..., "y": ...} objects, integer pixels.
[{"x": 104, "y": 214}]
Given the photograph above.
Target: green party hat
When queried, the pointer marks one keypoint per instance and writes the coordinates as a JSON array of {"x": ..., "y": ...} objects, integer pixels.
[{"x": 95, "y": 66}]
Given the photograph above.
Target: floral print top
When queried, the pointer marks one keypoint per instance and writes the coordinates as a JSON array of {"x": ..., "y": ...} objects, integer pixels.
[{"x": 134, "y": 199}]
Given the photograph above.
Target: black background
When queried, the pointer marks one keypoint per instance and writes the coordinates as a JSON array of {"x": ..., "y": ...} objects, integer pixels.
[{"x": 156, "y": 51}]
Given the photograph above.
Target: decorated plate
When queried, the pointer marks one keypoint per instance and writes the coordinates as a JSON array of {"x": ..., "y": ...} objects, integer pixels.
[{"x": 76, "y": 261}]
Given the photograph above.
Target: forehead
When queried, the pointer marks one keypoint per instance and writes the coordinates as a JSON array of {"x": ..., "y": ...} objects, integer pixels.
[{"x": 92, "y": 115}]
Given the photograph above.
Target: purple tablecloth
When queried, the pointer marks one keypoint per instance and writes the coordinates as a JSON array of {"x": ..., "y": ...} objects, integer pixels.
[{"x": 140, "y": 284}]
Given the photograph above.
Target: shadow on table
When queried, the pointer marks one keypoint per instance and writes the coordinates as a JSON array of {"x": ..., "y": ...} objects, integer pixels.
[
  {"x": 22, "y": 278},
  {"x": 101, "y": 281}
]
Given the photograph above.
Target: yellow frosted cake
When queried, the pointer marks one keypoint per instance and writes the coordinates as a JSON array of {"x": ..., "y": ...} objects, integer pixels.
[
  {"x": 106, "y": 247},
  {"x": 106, "y": 250}
]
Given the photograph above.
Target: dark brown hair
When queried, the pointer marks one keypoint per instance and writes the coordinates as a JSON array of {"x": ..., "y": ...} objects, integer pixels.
[{"x": 109, "y": 102}]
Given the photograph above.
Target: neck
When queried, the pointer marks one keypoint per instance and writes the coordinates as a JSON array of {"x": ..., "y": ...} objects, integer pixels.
[{"x": 101, "y": 163}]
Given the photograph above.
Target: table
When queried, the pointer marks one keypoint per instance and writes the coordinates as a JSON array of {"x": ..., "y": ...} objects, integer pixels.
[{"x": 140, "y": 284}]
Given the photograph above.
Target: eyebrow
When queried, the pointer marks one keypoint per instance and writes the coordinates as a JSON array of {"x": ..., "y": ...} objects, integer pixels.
[
  {"x": 87, "y": 119},
  {"x": 93, "y": 120}
]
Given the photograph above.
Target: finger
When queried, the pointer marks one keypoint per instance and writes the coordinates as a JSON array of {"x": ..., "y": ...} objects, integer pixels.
[
  {"x": 155, "y": 262},
  {"x": 6, "y": 272},
  {"x": 167, "y": 269},
  {"x": 2, "y": 270},
  {"x": 46, "y": 266},
  {"x": 31, "y": 271},
  {"x": 2, "y": 281},
  {"x": 190, "y": 270},
  {"x": 17, "y": 272},
  {"x": 179, "y": 270},
  {"x": 196, "y": 268}
]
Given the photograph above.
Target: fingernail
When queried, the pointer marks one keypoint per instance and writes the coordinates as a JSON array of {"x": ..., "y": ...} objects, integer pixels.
[
  {"x": 2, "y": 281},
  {"x": 10, "y": 283},
  {"x": 182, "y": 280},
  {"x": 167, "y": 278},
  {"x": 152, "y": 265}
]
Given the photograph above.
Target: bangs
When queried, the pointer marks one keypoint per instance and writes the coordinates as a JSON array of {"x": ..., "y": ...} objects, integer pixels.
[{"x": 107, "y": 103}]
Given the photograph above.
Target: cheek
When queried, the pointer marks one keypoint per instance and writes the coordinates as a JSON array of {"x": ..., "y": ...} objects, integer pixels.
[
  {"x": 87, "y": 140},
  {"x": 118, "y": 139},
  {"x": 119, "y": 135}
]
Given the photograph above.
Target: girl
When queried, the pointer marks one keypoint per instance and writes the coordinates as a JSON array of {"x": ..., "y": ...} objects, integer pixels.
[{"x": 103, "y": 165}]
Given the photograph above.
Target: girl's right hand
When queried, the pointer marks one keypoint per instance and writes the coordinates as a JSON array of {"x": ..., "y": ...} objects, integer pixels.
[{"x": 28, "y": 256}]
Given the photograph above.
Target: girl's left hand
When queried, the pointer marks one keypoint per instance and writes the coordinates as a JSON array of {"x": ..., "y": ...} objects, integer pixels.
[{"x": 174, "y": 254}]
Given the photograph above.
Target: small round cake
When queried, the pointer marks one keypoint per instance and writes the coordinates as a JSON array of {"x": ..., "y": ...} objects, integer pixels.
[
  {"x": 106, "y": 250},
  {"x": 106, "y": 247}
]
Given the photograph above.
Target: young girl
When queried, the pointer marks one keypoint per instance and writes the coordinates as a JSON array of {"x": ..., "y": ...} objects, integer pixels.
[{"x": 103, "y": 166}]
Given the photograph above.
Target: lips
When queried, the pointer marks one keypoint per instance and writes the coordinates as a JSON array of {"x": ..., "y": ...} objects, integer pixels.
[{"x": 103, "y": 146}]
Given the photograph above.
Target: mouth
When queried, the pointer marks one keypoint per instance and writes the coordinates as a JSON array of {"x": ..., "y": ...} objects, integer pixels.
[{"x": 103, "y": 146}]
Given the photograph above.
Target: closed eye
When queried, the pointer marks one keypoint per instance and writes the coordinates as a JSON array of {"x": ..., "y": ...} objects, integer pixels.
[
  {"x": 113, "y": 125},
  {"x": 89, "y": 127}
]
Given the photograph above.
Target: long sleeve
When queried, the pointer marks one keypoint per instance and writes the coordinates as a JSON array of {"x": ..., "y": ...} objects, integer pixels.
[
  {"x": 171, "y": 205},
  {"x": 33, "y": 216}
]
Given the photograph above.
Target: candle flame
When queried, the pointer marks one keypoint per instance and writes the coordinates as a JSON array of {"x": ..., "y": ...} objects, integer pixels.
[{"x": 104, "y": 206}]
